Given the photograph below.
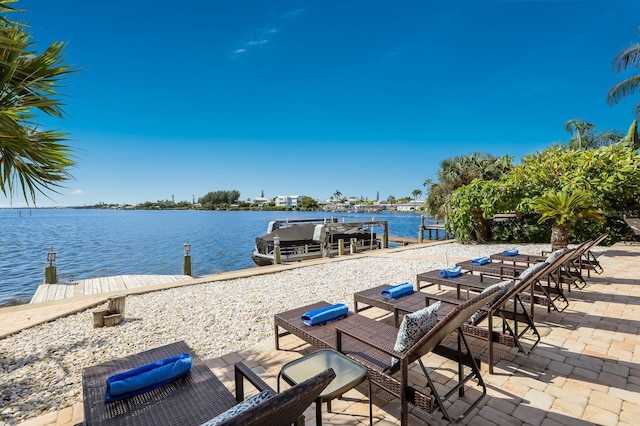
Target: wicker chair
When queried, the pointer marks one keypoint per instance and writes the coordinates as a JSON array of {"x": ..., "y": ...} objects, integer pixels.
[
  {"x": 371, "y": 343},
  {"x": 195, "y": 398}
]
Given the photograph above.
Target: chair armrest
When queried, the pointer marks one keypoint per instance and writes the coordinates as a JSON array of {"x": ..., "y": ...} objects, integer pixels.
[{"x": 243, "y": 372}]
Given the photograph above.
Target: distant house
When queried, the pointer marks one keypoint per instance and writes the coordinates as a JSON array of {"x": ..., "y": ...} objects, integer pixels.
[
  {"x": 411, "y": 206},
  {"x": 259, "y": 201},
  {"x": 288, "y": 200}
]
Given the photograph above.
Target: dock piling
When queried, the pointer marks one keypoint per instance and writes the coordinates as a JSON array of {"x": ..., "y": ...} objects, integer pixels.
[
  {"x": 51, "y": 271},
  {"x": 186, "y": 261}
]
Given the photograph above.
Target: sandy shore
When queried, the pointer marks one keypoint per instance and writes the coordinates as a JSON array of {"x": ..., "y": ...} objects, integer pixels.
[{"x": 40, "y": 368}]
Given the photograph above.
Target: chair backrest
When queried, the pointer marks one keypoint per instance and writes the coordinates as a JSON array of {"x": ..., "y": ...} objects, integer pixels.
[
  {"x": 522, "y": 284},
  {"x": 634, "y": 224},
  {"x": 450, "y": 323},
  {"x": 288, "y": 406}
]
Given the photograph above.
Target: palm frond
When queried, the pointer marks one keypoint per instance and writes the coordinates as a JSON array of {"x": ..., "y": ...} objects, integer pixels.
[
  {"x": 629, "y": 56},
  {"x": 623, "y": 89}
]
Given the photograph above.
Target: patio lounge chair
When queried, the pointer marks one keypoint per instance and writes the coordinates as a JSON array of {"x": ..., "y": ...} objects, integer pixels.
[
  {"x": 584, "y": 259},
  {"x": 516, "y": 321},
  {"x": 195, "y": 398},
  {"x": 634, "y": 226},
  {"x": 371, "y": 343}
]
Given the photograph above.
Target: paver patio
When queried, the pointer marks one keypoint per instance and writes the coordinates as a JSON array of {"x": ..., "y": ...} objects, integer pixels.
[{"x": 585, "y": 371}]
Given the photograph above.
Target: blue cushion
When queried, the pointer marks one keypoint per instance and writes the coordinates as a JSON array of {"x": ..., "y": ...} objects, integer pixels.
[
  {"x": 415, "y": 326},
  {"x": 512, "y": 252},
  {"x": 146, "y": 377},
  {"x": 481, "y": 260},
  {"x": 240, "y": 408},
  {"x": 398, "y": 290},
  {"x": 325, "y": 314},
  {"x": 456, "y": 271}
]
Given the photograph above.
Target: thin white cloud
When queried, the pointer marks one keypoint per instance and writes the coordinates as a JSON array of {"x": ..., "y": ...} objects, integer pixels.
[
  {"x": 77, "y": 192},
  {"x": 265, "y": 36}
]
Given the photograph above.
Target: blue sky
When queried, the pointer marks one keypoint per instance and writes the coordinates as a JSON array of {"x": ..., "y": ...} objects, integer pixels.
[{"x": 309, "y": 97}]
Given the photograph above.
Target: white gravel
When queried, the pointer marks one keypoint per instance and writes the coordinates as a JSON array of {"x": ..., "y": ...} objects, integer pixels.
[{"x": 40, "y": 368}]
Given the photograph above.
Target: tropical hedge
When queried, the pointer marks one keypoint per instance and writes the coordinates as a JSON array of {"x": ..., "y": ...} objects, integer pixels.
[{"x": 609, "y": 175}]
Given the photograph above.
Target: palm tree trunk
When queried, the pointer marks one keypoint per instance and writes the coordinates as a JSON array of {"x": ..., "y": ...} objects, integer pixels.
[
  {"x": 559, "y": 236},
  {"x": 481, "y": 226}
]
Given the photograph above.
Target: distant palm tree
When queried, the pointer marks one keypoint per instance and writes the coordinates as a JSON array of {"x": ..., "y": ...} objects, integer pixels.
[
  {"x": 580, "y": 129},
  {"x": 416, "y": 193},
  {"x": 584, "y": 135},
  {"x": 458, "y": 171},
  {"x": 31, "y": 159},
  {"x": 629, "y": 56},
  {"x": 337, "y": 195},
  {"x": 564, "y": 209}
]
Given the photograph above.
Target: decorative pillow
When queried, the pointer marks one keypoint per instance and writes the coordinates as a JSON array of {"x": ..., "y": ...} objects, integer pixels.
[
  {"x": 239, "y": 408},
  {"x": 414, "y": 326},
  {"x": 532, "y": 270},
  {"x": 504, "y": 287},
  {"x": 555, "y": 255}
]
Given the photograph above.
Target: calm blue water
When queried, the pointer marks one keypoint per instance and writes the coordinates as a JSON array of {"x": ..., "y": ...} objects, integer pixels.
[{"x": 97, "y": 243}]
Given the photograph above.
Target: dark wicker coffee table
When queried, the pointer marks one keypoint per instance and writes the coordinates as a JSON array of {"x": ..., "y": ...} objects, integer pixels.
[
  {"x": 190, "y": 400},
  {"x": 373, "y": 297},
  {"x": 464, "y": 281}
]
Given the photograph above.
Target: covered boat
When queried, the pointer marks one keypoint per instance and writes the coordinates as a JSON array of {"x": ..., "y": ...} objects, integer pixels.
[{"x": 313, "y": 240}]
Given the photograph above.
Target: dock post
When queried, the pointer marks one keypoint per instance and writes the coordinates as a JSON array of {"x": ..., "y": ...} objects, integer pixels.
[
  {"x": 437, "y": 231},
  {"x": 354, "y": 246},
  {"x": 186, "y": 261},
  {"x": 341, "y": 247},
  {"x": 51, "y": 271},
  {"x": 421, "y": 230},
  {"x": 385, "y": 234},
  {"x": 277, "y": 255}
]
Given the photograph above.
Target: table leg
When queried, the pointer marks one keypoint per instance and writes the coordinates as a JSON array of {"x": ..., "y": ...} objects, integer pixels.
[{"x": 319, "y": 412}]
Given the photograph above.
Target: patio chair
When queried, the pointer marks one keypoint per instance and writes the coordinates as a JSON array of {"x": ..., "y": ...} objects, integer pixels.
[
  {"x": 516, "y": 321},
  {"x": 634, "y": 227},
  {"x": 371, "y": 343},
  {"x": 195, "y": 398}
]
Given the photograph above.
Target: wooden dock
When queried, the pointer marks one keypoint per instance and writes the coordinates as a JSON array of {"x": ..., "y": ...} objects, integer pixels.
[{"x": 48, "y": 292}]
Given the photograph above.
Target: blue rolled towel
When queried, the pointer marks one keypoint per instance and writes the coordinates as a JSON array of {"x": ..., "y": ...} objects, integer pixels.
[
  {"x": 456, "y": 271},
  {"x": 147, "y": 377},
  {"x": 397, "y": 290},
  {"x": 324, "y": 315},
  {"x": 481, "y": 260},
  {"x": 512, "y": 252}
]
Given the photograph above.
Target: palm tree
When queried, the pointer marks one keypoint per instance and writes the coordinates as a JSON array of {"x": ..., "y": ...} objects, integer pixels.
[
  {"x": 629, "y": 56},
  {"x": 581, "y": 129},
  {"x": 32, "y": 160},
  {"x": 584, "y": 135},
  {"x": 564, "y": 209},
  {"x": 458, "y": 171},
  {"x": 416, "y": 193},
  {"x": 337, "y": 195}
]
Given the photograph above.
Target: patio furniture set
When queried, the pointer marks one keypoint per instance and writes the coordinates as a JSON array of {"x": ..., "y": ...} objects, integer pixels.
[{"x": 493, "y": 303}]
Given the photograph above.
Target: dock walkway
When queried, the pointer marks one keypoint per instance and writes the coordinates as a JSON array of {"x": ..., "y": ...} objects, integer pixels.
[{"x": 59, "y": 291}]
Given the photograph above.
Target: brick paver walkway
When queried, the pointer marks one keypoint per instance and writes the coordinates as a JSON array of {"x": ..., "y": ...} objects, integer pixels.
[{"x": 585, "y": 371}]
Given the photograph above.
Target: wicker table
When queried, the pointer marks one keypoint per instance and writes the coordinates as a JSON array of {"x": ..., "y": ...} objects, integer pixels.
[
  {"x": 373, "y": 297},
  {"x": 190, "y": 400},
  {"x": 349, "y": 374},
  {"x": 464, "y": 281}
]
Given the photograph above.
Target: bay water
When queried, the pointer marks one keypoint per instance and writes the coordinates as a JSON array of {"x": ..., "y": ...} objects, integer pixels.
[{"x": 96, "y": 243}]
